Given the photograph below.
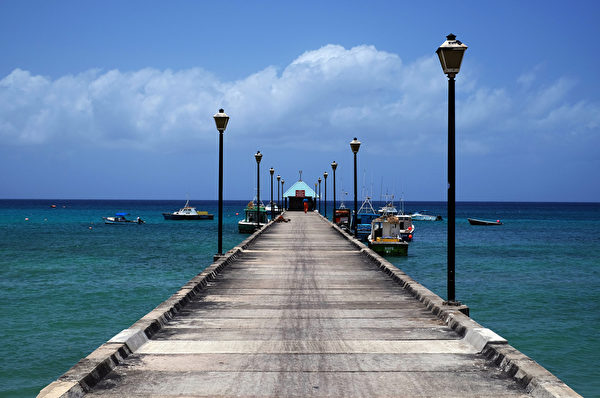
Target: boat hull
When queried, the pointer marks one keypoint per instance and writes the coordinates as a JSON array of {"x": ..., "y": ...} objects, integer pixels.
[
  {"x": 407, "y": 236},
  {"x": 109, "y": 221},
  {"x": 474, "y": 221},
  {"x": 425, "y": 217},
  {"x": 171, "y": 216},
  {"x": 363, "y": 231},
  {"x": 246, "y": 227},
  {"x": 398, "y": 248}
]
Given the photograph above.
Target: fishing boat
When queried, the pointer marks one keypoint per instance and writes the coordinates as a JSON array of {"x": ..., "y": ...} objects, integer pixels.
[
  {"x": 474, "y": 221},
  {"x": 188, "y": 212},
  {"x": 389, "y": 209},
  {"x": 407, "y": 228},
  {"x": 342, "y": 217},
  {"x": 423, "y": 216},
  {"x": 385, "y": 237},
  {"x": 255, "y": 218},
  {"x": 366, "y": 214},
  {"x": 120, "y": 219}
]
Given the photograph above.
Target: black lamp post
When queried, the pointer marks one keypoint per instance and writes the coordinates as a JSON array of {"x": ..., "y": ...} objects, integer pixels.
[
  {"x": 258, "y": 157},
  {"x": 315, "y": 204},
  {"x": 282, "y": 191},
  {"x": 325, "y": 178},
  {"x": 333, "y": 167},
  {"x": 221, "y": 120},
  {"x": 271, "y": 171},
  {"x": 319, "y": 180},
  {"x": 451, "y": 53},
  {"x": 355, "y": 145},
  {"x": 278, "y": 202}
]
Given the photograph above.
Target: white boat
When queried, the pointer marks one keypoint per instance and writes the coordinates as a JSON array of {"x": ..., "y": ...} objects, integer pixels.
[
  {"x": 388, "y": 209},
  {"x": 406, "y": 227},
  {"x": 120, "y": 219},
  {"x": 188, "y": 212},
  {"x": 423, "y": 216},
  {"x": 386, "y": 235}
]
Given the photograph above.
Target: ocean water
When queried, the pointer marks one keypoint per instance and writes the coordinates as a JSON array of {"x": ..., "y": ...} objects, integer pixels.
[{"x": 68, "y": 283}]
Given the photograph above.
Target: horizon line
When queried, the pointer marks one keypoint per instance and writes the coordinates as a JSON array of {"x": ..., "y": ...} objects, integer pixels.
[{"x": 225, "y": 200}]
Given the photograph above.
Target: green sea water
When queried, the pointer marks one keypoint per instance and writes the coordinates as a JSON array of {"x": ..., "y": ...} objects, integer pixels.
[{"x": 68, "y": 283}]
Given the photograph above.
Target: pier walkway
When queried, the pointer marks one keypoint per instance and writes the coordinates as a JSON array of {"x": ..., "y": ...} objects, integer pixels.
[{"x": 302, "y": 310}]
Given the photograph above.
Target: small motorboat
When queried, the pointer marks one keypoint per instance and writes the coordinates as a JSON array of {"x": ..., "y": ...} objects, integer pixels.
[
  {"x": 188, "y": 213},
  {"x": 389, "y": 208},
  {"x": 120, "y": 219},
  {"x": 386, "y": 236},
  {"x": 423, "y": 216},
  {"x": 342, "y": 217},
  {"x": 474, "y": 221},
  {"x": 256, "y": 218}
]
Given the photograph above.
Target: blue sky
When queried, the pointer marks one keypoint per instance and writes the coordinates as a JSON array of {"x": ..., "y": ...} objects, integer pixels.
[{"x": 111, "y": 99}]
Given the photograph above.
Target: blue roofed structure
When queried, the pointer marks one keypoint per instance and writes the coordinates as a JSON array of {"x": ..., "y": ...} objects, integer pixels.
[
  {"x": 299, "y": 193},
  {"x": 300, "y": 188}
]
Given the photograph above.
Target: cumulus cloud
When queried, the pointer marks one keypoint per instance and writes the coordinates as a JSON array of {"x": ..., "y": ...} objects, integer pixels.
[
  {"x": 143, "y": 109},
  {"x": 328, "y": 92}
]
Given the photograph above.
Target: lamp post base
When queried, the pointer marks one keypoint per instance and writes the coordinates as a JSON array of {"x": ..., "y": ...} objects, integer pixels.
[
  {"x": 217, "y": 257},
  {"x": 458, "y": 306}
]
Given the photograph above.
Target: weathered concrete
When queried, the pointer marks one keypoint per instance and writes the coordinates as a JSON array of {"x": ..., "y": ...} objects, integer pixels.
[{"x": 306, "y": 310}]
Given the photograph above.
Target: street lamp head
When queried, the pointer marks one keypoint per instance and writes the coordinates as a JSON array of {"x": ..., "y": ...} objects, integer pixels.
[
  {"x": 271, "y": 171},
  {"x": 278, "y": 177},
  {"x": 221, "y": 120},
  {"x": 354, "y": 145},
  {"x": 325, "y": 175},
  {"x": 451, "y": 54},
  {"x": 333, "y": 165},
  {"x": 258, "y": 157},
  {"x": 282, "y": 182},
  {"x": 319, "y": 180}
]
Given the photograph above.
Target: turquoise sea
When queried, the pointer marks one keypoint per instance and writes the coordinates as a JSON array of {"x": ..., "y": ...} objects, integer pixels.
[{"x": 68, "y": 282}]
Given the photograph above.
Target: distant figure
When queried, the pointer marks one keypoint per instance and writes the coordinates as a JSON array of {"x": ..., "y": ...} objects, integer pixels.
[{"x": 305, "y": 205}]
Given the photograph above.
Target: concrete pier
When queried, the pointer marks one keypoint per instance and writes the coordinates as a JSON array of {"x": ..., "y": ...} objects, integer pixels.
[{"x": 302, "y": 309}]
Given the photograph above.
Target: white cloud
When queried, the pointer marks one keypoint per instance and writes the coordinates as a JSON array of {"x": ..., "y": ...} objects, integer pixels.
[
  {"x": 326, "y": 93},
  {"x": 546, "y": 98},
  {"x": 573, "y": 119}
]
